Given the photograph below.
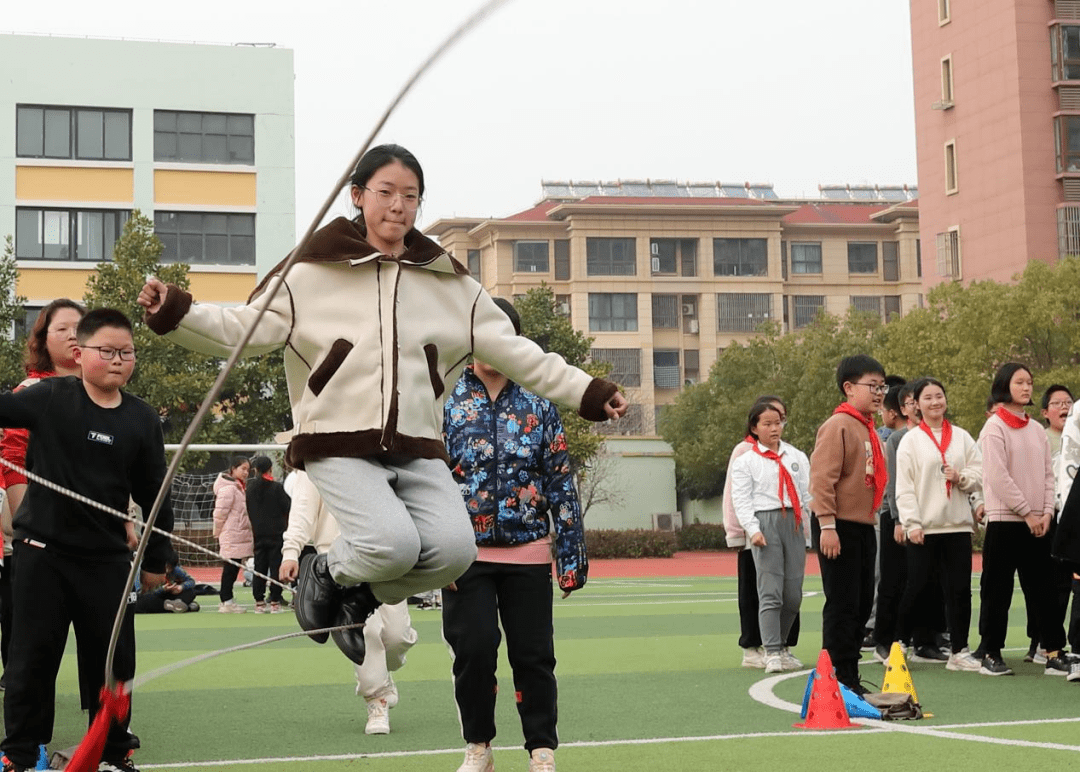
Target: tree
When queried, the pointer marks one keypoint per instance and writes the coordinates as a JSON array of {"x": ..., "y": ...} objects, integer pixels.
[
  {"x": 11, "y": 312},
  {"x": 254, "y": 404}
]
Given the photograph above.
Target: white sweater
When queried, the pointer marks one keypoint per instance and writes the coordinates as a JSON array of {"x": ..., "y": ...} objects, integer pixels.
[
  {"x": 920, "y": 486},
  {"x": 309, "y": 520}
]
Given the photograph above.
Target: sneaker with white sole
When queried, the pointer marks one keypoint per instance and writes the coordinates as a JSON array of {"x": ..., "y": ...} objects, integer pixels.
[
  {"x": 542, "y": 760},
  {"x": 378, "y": 716},
  {"x": 752, "y": 656},
  {"x": 789, "y": 660},
  {"x": 930, "y": 655},
  {"x": 963, "y": 661},
  {"x": 478, "y": 758},
  {"x": 124, "y": 764},
  {"x": 261, "y": 607},
  {"x": 1058, "y": 665},
  {"x": 231, "y": 607},
  {"x": 176, "y": 606},
  {"x": 994, "y": 665},
  {"x": 275, "y": 608},
  {"x": 1074, "y": 672},
  {"x": 773, "y": 663},
  {"x": 1040, "y": 657}
]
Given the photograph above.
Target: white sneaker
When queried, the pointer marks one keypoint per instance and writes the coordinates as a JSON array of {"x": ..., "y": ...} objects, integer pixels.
[
  {"x": 1074, "y": 672},
  {"x": 542, "y": 760},
  {"x": 753, "y": 657},
  {"x": 1040, "y": 656},
  {"x": 478, "y": 758},
  {"x": 789, "y": 660},
  {"x": 773, "y": 663},
  {"x": 230, "y": 607},
  {"x": 962, "y": 660},
  {"x": 378, "y": 716},
  {"x": 261, "y": 607}
]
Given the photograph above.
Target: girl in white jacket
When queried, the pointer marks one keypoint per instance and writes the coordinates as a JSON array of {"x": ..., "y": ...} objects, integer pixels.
[{"x": 937, "y": 466}]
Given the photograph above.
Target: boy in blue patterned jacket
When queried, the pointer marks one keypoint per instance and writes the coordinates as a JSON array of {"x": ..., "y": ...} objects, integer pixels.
[{"x": 508, "y": 454}]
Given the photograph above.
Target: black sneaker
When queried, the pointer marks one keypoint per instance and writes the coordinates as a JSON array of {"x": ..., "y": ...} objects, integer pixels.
[
  {"x": 1058, "y": 665},
  {"x": 929, "y": 654},
  {"x": 858, "y": 689},
  {"x": 1030, "y": 656},
  {"x": 994, "y": 666},
  {"x": 124, "y": 764},
  {"x": 868, "y": 642}
]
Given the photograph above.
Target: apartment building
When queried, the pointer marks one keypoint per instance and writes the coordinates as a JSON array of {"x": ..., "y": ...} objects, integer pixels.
[
  {"x": 665, "y": 275},
  {"x": 197, "y": 137},
  {"x": 997, "y": 121}
]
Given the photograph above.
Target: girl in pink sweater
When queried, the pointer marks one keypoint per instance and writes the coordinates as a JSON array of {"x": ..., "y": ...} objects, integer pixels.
[{"x": 1018, "y": 481}]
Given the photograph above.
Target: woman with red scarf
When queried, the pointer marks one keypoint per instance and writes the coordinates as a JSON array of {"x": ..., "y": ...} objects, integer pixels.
[
  {"x": 1019, "y": 487},
  {"x": 937, "y": 466},
  {"x": 770, "y": 494}
]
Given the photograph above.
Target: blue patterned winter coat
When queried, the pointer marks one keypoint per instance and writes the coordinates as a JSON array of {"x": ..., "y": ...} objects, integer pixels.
[{"x": 511, "y": 495}]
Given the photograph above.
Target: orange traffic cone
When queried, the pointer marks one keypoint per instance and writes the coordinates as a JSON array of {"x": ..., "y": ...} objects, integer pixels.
[{"x": 826, "y": 709}]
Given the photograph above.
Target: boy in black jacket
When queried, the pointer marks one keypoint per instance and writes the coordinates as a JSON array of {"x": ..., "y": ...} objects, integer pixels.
[
  {"x": 72, "y": 560},
  {"x": 268, "y": 510}
]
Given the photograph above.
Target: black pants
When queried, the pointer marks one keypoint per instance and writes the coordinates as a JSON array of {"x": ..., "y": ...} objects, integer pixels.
[
  {"x": 1010, "y": 548},
  {"x": 848, "y": 582},
  {"x": 890, "y": 584},
  {"x": 749, "y": 630},
  {"x": 5, "y": 607},
  {"x": 154, "y": 602},
  {"x": 229, "y": 572},
  {"x": 521, "y": 597},
  {"x": 1074, "y": 618},
  {"x": 946, "y": 558},
  {"x": 267, "y": 561},
  {"x": 51, "y": 593}
]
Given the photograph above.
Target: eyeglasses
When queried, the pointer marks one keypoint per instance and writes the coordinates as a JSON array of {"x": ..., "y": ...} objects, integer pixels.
[
  {"x": 410, "y": 201},
  {"x": 61, "y": 331},
  {"x": 875, "y": 388},
  {"x": 108, "y": 353},
  {"x": 1056, "y": 404}
]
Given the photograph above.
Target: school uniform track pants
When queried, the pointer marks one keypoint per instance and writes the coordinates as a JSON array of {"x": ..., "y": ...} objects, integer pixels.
[
  {"x": 521, "y": 596},
  {"x": 51, "y": 593}
]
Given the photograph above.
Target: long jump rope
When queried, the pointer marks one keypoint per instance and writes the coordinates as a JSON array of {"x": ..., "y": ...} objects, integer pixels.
[{"x": 204, "y": 409}]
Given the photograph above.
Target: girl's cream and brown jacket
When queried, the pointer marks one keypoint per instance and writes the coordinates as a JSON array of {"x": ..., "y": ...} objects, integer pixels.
[{"x": 374, "y": 342}]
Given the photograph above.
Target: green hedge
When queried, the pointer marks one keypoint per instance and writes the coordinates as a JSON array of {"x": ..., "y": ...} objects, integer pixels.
[
  {"x": 702, "y": 536},
  {"x": 637, "y": 543}
]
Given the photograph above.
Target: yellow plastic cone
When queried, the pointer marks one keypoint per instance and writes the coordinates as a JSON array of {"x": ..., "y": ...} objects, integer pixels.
[{"x": 897, "y": 675}]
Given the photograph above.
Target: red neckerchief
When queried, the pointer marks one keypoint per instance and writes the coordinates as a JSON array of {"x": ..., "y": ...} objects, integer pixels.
[
  {"x": 751, "y": 439},
  {"x": 946, "y": 438},
  {"x": 1012, "y": 420},
  {"x": 878, "y": 474},
  {"x": 268, "y": 476},
  {"x": 786, "y": 483}
]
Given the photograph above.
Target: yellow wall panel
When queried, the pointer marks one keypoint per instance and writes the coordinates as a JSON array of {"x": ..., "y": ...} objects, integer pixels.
[
  {"x": 64, "y": 183},
  {"x": 205, "y": 188},
  {"x": 39, "y": 284}
]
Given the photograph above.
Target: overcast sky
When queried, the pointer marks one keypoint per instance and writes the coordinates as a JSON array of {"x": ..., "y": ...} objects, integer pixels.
[{"x": 786, "y": 91}]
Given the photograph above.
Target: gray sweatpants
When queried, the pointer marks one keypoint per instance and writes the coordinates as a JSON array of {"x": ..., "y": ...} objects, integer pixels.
[
  {"x": 780, "y": 565},
  {"x": 404, "y": 528}
]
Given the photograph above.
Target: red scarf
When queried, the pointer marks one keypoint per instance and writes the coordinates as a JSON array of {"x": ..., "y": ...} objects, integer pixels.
[
  {"x": 268, "y": 476},
  {"x": 751, "y": 439},
  {"x": 946, "y": 438},
  {"x": 786, "y": 483},
  {"x": 877, "y": 475},
  {"x": 1012, "y": 420}
]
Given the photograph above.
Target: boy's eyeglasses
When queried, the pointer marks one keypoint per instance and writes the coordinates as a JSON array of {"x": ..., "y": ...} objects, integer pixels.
[
  {"x": 410, "y": 201},
  {"x": 1056, "y": 404},
  {"x": 875, "y": 388},
  {"x": 108, "y": 353}
]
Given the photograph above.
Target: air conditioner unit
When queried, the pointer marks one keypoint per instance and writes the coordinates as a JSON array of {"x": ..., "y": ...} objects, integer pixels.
[
  {"x": 692, "y": 327},
  {"x": 688, "y": 309},
  {"x": 656, "y": 265},
  {"x": 689, "y": 382},
  {"x": 563, "y": 308},
  {"x": 667, "y": 521}
]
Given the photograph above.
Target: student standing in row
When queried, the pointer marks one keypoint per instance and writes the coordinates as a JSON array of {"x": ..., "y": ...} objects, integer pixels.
[
  {"x": 937, "y": 463},
  {"x": 769, "y": 490}
]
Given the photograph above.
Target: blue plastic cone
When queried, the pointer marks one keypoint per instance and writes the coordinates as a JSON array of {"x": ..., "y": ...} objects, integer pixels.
[
  {"x": 856, "y": 706},
  {"x": 806, "y": 696}
]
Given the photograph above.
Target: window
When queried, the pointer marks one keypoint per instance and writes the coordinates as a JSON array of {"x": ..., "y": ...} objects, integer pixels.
[
  {"x": 950, "y": 167},
  {"x": 209, "y": 138},
  {"x": 946, "y": 82},
  {"x": 862, "y": 257},
  {"x": 531, "y": 257},
  {"x": 668, "y": 256},
  {"x": 918, "y": 258},
  {"x": 82, "y": 133},
  {"x": 742, "y": 311},
  {"x": 805, "y": 308},
  {"x": 948, "y": 253},
  {"x": 691, "y": 366},
  {"x": 23, "y": 325},
  {"x": 67, "y": 234},
  {"x": 740, "y": 257},
  {"x": 886, "y": 307},
  {"x": 562, "y": 306},
  {"x": 1065, "y": 51},
  {"x": 612, "y": 312},
  {"x": 1067, "y": 143},
  {"x": 890, "y": 260},
  {"x": 562, "y": 260},
  {"x": 892, "y": 307},
  {"x": 806, "y": 257},
  {"x": 205, "y": 238},
  {"x": 474, "y": 263},
  {"x": 665, "y": 312},
  {"x": 625, "y": 364},
  {"x": 783, "y": 261},
  {"x": 943, "y": 11},
  {"x": 610, "y": 257},
  {"x": 666, "y": 369}
]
